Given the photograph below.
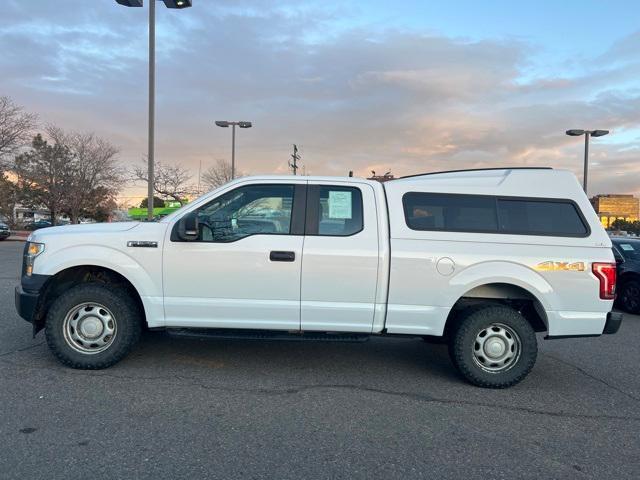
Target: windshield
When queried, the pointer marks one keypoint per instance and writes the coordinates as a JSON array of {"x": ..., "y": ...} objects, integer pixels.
[{"x": 629, "y": 249}]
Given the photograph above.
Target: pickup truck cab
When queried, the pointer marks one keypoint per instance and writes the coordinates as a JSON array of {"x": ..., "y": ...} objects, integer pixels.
[{"x": 483, "y": 258}]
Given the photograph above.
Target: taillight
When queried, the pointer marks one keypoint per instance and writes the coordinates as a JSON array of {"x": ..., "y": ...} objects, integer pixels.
[{"x": 606, "y": 273}]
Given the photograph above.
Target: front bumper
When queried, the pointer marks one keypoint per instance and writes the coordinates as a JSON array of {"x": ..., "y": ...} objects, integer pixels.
[
  {"x": 5, "y": 234},
  {"x": 614, "y": 320},
  {"x": 26, "y": 304}
]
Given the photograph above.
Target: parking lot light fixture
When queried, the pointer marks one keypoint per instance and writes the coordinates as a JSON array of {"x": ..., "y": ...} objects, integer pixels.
[
  {"x": 587, "y": 134},
  {"x": 177, "y": 3},
  {"x": 575, "y": 133}
]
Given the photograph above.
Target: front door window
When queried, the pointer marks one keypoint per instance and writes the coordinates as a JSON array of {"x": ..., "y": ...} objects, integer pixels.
[{"x": 246, "y": 211}]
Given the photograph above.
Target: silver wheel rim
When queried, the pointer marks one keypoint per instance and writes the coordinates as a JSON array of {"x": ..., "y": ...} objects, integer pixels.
[
  {"x": 496, "y": 348},
  {"x": 89, "y": 328}
]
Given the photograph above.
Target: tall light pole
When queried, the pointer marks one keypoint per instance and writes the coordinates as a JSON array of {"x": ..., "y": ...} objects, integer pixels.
[
  {"x": 227, "y": 124},
  {"x": 587, "y": 134},
  {"x": 152, "y": 86}
]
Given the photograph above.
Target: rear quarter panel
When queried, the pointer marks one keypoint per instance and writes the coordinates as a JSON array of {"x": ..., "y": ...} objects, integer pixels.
[{"x": 432, "y": 270}]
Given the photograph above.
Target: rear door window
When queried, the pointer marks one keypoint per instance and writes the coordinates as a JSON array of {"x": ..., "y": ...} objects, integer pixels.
[{"x": 334, "y": 211}]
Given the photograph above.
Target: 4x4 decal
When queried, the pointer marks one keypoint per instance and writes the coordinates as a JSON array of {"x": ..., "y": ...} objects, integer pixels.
[{"x": 551, "y": 266}]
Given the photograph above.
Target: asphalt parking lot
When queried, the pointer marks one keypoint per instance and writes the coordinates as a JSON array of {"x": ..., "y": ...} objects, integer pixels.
[{"x": 386, "y": 408}]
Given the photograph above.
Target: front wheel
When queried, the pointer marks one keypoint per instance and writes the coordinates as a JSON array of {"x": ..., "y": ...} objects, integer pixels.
[
  {"x": 92, "y": 326},
  {"x": 493, "y": 346}
]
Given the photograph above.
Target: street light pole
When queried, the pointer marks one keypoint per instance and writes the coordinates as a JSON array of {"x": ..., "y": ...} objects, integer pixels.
[
  {"x": 152, "y": 103},
  {"x": 586, "y": 161},
  {"x": 227, "y": 124},
  {"x": 179, "y": 4},
  {"x": 233, "y": 151},
  {"x": 587, "y": 135}
]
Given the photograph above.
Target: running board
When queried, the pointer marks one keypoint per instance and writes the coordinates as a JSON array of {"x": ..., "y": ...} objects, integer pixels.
[{"x": 269, "y": 335}]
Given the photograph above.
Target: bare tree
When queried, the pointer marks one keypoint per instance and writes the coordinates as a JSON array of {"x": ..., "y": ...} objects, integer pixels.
[
  {"x": 95, "y": 175},
  {"x": 15, "y": 130},
  {"x": 16, "y": 127},
  {"x": 73, "y": 173},
  {"x": 217, "y": 175},
  {"x": 8, "y": 198},
  {"x": 43, "y": 175},
  {"x": 170, "y": 181}
]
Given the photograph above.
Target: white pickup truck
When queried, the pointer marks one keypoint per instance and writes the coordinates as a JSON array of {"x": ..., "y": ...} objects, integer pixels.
[{"x": 482, "y": 258}]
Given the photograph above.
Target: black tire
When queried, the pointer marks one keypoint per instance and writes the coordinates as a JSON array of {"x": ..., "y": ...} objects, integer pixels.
[
  {"x": 629, "y": 296},
  {"x": 126, "y": 317},
  {"x": 464, "y": 351}
]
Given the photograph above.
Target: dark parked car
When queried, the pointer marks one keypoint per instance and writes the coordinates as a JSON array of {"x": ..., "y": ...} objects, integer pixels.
[
  {"x": 4, "y": 231},
  {"x": 38, "y": 224},
  {"x": 627, "y": 253}
]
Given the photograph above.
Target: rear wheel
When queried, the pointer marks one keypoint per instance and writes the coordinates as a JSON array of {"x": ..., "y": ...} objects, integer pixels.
[
  {"x": 629, "y": 296},
  {"x": 92, "y": 326},
  {"x": 493, "y": 346}
]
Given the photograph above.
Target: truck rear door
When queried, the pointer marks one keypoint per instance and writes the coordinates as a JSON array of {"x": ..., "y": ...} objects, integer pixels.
[{"x": 340, "y": 258}]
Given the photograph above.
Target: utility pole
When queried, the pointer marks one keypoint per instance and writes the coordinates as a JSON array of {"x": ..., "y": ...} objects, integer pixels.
[{"x": 295, "y": 157}]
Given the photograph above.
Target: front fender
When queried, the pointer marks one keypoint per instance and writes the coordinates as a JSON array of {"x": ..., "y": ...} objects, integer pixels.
[{"x": 144, "y": 272}]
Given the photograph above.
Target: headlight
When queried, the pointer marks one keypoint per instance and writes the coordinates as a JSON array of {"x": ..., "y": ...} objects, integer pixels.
[{"x": 31, "y": 251}]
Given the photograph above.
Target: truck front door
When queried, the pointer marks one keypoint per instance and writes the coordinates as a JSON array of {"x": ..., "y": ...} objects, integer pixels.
[
  {"x": 243, "y": 271},
  {"x": 340, "y": 258}
]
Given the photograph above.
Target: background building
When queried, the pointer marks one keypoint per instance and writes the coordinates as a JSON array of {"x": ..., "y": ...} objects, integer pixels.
[{"x": 613, "y": 207}]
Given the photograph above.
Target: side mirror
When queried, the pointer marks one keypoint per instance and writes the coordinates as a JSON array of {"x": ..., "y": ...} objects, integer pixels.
[{"x": 188, "y": 227}]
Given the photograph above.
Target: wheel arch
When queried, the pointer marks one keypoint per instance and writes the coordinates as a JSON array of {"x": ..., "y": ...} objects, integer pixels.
[
  {"x": 503, "y": 282},
  {"x": 78, "y": 274},
  {"x": 515, "y": 296}
]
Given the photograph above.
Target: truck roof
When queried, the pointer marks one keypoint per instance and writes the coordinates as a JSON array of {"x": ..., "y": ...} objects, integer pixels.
[
  {"x": 525, "y": 182},
  {"x": 448, "y": 174},
  {"x": 466, "y": 171},
  {"x": 516, "y": 181}
]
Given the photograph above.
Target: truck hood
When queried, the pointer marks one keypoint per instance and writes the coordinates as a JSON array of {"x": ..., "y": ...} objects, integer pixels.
[{"x": 82, "y": 229}]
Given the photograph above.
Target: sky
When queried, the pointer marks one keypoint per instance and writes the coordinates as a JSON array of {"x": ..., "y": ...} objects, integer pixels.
[{"x": 404, "y": 86}]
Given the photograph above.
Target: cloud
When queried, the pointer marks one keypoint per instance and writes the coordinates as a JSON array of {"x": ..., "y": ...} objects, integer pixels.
[{"x": 354, "y": 97}]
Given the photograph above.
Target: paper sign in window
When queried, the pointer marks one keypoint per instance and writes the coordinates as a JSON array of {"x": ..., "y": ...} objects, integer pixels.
[
  {"x": 340, "y": 204},
  {"x": 627, "y": 247}
]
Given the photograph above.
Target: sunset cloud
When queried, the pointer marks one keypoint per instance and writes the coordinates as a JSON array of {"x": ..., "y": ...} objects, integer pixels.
[{"x": 355, "y": 95}]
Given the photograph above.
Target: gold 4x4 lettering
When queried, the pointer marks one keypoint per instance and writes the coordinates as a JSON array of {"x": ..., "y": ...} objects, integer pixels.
[{"x": 557, "y": 266}]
